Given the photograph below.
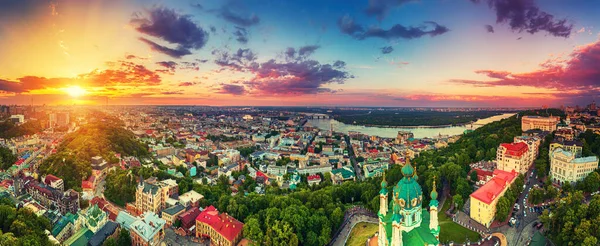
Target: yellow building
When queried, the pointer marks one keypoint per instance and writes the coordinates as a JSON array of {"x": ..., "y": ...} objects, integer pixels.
[
  {"x": 537, "y": 122},
  {"x": 514, "y": 156},
  {"x": 484, "y": 199},
  {"x": 575, "y": 147},
  {"x": 152, "y": 197},
  {"x": 565, "y": 166},
  {"x": 220, "y": 228}
]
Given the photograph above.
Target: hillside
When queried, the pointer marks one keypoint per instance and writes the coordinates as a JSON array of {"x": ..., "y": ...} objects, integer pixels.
[{"x": 103, "y": 136}]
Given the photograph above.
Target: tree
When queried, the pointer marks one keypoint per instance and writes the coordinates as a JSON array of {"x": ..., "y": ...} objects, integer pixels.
[
  {"x": 124, "y": 238},
  {"x": 458, "y": 201},
  {"x": 7, "y": 159},
  {"x": 502, "y": 209},
  {"x": 536, "y": 196},
  {"x": 253, "y": 231},
  {"x": 591, "y": 182},
  {"x": 110, "y": 242},
  {"x": 337, "y": 216},
  {"x": 473, "y": 176}
]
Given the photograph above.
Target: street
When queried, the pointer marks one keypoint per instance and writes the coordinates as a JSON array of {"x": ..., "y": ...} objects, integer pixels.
[{"x": 353, "y": 159}]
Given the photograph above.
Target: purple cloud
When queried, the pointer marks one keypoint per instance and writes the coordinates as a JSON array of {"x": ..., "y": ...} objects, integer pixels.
[
  {"x": 232, "y": 89},
  {"x": 238, "y": 19},
  {"x": 173, "y": 28},
  {"x": 525, "y": 15},
  {"x": 241, "y": 35},
  {"x": 397, "y": 31},
  {"x": 489, "y": 28}
]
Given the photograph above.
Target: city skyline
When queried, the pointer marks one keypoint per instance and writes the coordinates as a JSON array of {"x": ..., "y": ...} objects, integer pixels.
[{"x": 478, "y": 53}]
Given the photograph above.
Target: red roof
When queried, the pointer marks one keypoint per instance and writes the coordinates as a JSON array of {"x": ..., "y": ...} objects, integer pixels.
[
  {"x": 313, "y": 177},
  {"x": 50, "y": 179},
  {"x": 187, "y": 218},
  {"x": 515, "y": 149},
  {"x": 492, "y": 189},
  {"x": 223, "y": 224},
  {"x": 260, "y": 174}
]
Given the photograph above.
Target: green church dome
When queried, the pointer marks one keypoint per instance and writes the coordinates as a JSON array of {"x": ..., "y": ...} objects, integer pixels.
[
  {"x": 408, "y": 191},
  {"x": 408, "y": 170}
]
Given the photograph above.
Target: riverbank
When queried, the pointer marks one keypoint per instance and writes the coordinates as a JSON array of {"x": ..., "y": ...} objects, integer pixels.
[{"x": 392, "y": 132}]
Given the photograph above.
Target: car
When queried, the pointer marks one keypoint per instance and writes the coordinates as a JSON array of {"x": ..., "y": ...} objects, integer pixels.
[{"x": 539, "y": 226}]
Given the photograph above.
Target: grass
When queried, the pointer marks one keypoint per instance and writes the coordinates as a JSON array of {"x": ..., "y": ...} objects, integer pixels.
[
  {"x": 451, "y": 231},
  {"x": 361, "y": 233}
]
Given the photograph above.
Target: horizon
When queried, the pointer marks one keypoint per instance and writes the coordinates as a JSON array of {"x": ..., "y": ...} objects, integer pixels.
[{"x": 361, "y": 53}]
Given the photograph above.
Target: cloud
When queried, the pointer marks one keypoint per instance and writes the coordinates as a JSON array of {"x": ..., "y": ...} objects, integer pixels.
[
  {"x": 397, "y": 31},
  {"x": 242, "y": 59},
  {"x": 578, "y": 72},
  {"x": 175, "y": 53},
  {"x": 171, "y": 27},
  {"x": 525, "y": 15},
  {"x": 232, "y": 89},
  {"x": 303, "y": 52},
  {"x": 170, "y": 65},
  {"x": 297, "y": 75},
  {"x": 489, "y": 28},
  {"x": 387, "y": 49},
  {"x": 380, "y": 8},
  {"x": 307, "y": 50},
  {"x": 186, "y": 84},
  {"x": 238, "y": 19},
  {"x": 241, "y": 34},
  {"x": 121, "y": 73}
]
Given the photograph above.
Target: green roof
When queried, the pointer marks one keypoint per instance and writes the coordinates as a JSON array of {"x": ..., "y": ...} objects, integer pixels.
[
  {"x": 418, "y": 236},
  {"x": 80, "y": 238},
  {"x": 346, "y": 174},
  {"x": 94, "y": 214}
]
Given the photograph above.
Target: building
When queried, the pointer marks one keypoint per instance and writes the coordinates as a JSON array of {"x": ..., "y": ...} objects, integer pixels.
[
  {"x": 574, "y": 146},
  {"x": 190, "y": 199},
  {"x": 170, "y": 214},
  {"x": 65, "y": 227},
  {"x": 314, "y": 179},
  {"x": 514, "y": 156},
  {"x": 537, "y": 122},
  {"x": 99, "y": 165},
  {"x": 221, "y": 228},
  {"x": 188, "y": 220},
  {"x": 533, "y": 143},
  {"x": 402, "y": 220},
  {"x": 93, "y": 218},
  {"x": 47, "y": 196},
  {"x": 109, "y": 230},
  {"x": 152, "y": 196},
  {"x": 17, "y": 118},
  {"x": 54, "y": 182},
  {"x": 484, "y": 199},
  {"x": 149, "y": 230},
  {"x": 567, "y": 134},
  {"x": 404, "y": 136},
  {"x": 565, "y": 166}
]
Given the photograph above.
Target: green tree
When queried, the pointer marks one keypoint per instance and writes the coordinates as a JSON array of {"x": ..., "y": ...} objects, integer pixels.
[
  {"x": 502, "y": 209},
  {"x": 124, "y": 238},
  {"x": 110, "y": 242},
  {"x": 7, "y": 159},
  {"x": 253, "y": 231},
  {"x": 458, "y": 201}
]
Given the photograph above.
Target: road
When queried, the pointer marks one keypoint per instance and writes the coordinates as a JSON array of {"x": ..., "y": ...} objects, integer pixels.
[{"x": 352, "y": 156}]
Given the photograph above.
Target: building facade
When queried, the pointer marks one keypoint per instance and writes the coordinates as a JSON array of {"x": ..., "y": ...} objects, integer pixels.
[
  {"x": 147, "y": 230},
  {"x": 402, "y": 220},
  {"x": 484, "y": 200},
  {"x": 537, "y": 122},
  {"x": 514, "y": 156},
  {"x": 565, "y": 166},
  {"x": 221, "y": 228},
  {"x": 575, "y": 147}
]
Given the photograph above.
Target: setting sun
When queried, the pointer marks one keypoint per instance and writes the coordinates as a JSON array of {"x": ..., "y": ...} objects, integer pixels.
[{"x": 75, "y": 91}]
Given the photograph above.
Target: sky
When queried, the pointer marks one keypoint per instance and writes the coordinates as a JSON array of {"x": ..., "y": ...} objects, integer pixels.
[{"x": 404, "y": 53}]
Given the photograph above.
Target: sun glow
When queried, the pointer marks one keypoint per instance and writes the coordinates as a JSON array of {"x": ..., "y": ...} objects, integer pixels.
[{"x": 75, "y": 91}]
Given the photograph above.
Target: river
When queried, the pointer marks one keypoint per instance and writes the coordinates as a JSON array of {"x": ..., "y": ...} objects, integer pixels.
[{"x": 392, "y": 132}]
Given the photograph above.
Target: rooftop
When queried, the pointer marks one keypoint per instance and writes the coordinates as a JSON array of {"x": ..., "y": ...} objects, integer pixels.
[
  {"x": 492, "y": 189},
  {"x": 148, "y": 226},
  {"x": 108, "y": 229},
  {"x": 224, "y": 224}
]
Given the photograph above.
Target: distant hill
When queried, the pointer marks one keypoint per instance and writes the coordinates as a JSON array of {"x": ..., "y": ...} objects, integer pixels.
[
  {"x": 10, "y": 130},
  {"x": 102, "y": 136}
]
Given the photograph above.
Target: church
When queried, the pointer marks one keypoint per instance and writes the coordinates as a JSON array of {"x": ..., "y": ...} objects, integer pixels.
[{"x": 402, "y": 220}]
